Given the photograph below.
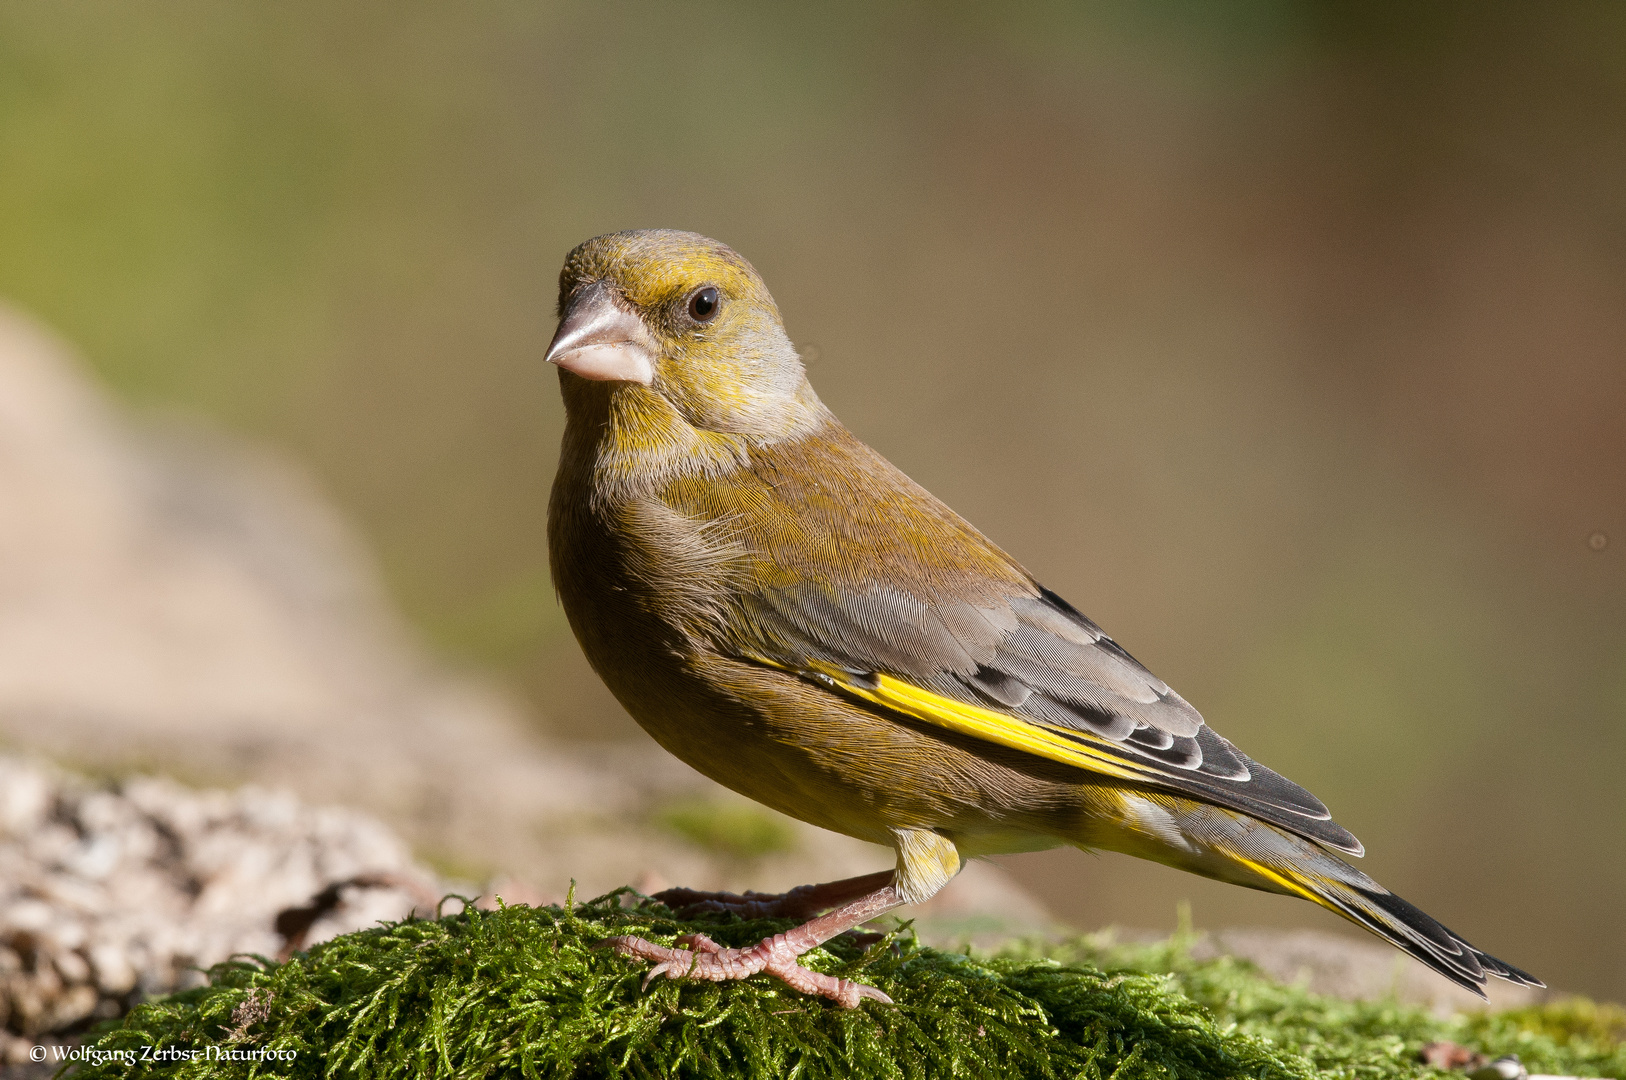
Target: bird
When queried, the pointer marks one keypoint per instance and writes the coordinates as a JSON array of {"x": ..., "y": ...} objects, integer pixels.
[{"x": 787, "y": 612}]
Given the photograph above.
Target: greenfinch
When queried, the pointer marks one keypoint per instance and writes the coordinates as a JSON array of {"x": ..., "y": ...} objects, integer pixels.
[{"x": 787, "y": 612}]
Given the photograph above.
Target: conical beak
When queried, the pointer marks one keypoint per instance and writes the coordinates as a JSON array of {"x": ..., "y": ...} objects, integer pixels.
[{"x": 598, "y": 339}]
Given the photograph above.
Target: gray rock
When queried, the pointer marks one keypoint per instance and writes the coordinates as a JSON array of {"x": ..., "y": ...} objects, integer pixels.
[{"x": 110, "y": 892}]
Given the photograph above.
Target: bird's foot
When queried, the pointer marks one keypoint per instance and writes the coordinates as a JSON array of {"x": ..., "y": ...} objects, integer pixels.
[{"x": 699, "y": 957}]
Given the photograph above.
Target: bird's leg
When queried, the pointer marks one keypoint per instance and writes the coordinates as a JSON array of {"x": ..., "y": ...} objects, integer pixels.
[
  {"x": 698, "y": 957},
  {"x": 927, "y": 861},
  {"x": 802, "y": 902}
]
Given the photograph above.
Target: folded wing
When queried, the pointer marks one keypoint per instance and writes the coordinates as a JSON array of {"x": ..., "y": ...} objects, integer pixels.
[{"x": 1026, "y": 671}]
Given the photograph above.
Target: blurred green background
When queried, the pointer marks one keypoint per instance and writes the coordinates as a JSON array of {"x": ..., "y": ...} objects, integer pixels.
[{"x": 1287, "y": 339}]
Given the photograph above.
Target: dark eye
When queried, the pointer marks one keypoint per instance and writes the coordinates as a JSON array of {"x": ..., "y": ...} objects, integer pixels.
[{"x": 704, "y": 303}]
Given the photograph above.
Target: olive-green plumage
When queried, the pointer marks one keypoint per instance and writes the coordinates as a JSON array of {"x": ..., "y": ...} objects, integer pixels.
[{"x": 787, "y": 612}]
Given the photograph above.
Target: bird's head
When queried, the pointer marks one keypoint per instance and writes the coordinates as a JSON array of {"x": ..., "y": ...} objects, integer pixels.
[{"x": 673, "y": 314}]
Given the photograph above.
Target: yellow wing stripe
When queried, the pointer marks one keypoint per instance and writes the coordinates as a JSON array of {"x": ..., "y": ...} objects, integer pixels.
[
  {"x": 986, "y": 724},
  {"x": 995, "y": 727}
]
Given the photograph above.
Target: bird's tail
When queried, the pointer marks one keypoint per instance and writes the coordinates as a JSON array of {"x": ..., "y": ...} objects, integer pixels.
[
  {"x": 1364, "y": 902},
  {"x": 1224, "y": 844}
]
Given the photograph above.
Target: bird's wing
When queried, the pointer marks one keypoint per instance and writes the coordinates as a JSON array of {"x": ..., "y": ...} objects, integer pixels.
[
  {"x": 863, "y": 582},
  {"x": 1052, "y": 685}
]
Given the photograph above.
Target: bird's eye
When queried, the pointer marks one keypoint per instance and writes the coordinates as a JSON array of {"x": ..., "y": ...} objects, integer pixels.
[{"x": 704, "y": 303}]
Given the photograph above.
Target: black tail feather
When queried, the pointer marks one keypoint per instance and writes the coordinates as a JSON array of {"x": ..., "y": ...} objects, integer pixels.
[{"x": 1416, "y": 932}]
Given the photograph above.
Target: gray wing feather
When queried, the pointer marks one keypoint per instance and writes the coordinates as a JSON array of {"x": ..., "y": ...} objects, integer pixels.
[
  {"x": 1037, "y": 657},
  {"x": 1030, "y": 655}
]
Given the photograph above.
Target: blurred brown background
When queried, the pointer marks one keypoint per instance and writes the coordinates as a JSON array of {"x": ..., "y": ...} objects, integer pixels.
[{"x": 1287, "y": 339}]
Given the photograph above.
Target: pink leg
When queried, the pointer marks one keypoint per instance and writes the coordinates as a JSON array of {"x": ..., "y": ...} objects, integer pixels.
[
  {"x": 802, "y": 902},
  {"x": 703, "y": 958}
]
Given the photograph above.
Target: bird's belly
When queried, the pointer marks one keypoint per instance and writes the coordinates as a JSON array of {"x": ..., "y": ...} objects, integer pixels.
[{"x": 788, "y": 754}]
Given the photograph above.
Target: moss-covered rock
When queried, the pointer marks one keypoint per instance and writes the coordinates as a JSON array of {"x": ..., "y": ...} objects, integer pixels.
[{"x": 524, "y": 992}]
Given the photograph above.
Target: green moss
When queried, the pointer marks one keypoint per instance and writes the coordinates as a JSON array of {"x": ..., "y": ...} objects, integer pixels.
[
  {"x": 523, "y": 992},
  {"x": 1572, "y": 1019},
  {"x": 738, "y": 830}
]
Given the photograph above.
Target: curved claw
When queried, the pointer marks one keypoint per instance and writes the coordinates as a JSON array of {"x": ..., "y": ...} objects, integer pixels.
[
  {"x": 871, "y": 993},
  {"x": 678, "y": 967}
]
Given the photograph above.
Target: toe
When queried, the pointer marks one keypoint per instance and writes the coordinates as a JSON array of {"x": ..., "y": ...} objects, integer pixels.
[
  {"x": 637, "y": 946},
  {"x": 698, "y": 943}
]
